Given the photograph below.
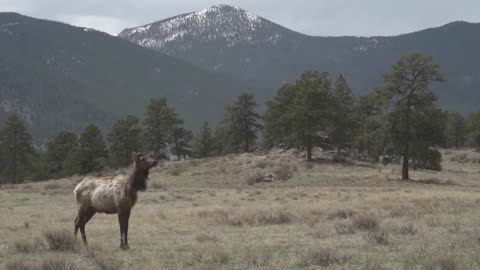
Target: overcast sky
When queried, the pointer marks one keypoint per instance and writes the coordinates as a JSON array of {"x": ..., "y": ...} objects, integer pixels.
[{"x": 314, "y": 17}]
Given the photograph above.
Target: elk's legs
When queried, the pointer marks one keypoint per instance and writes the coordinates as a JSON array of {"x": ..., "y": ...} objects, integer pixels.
[
  {"x": 123, "y": 221},
  {"x": 84, "y": 215}
]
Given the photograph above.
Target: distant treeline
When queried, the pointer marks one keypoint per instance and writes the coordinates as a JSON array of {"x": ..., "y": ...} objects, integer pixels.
[{"x": 399, "y": 121}]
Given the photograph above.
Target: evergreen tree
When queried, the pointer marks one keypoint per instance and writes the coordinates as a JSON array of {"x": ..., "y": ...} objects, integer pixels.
[
  {"x": 279, "y": 118},
  {"x": 407, "y": 90},
  {"x": 16, "y": 150},
  {"x": 243, "y": 122},
  {"x": 473, "y": 130},
  {"x": 302, "y": 114},
  {"x": 124, "y": 138},
  {"x": 160, "y": 122},
  {"x": 344, "y": 123},
  {"x": 57, "y": 152},
  {"x": 203, "y": 144},
  {"x": 90, "y": 154},
  {"x": 223, "y": 141},
  {"x": 370, "y": 135},
  {"x": 312, "y": 109},
  {"x": 456, "y": 131},
  {"x": 182, "y": 142}
]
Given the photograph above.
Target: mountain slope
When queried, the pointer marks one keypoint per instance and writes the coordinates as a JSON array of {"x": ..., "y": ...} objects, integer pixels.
[
  {"x": 242, "y": 45},
  {"x": 62, "y": 77}
]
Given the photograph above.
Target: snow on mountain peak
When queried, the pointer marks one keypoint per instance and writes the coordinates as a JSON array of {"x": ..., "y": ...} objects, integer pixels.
[{"x": 224, "y": 23}]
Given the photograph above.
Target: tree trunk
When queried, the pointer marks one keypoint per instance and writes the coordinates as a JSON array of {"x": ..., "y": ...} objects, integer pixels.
[
  {"x": 406, "y": 157},
  {"x": 406, "y": 150},
  {"x": 247, "y": 146},
  {"x": 309, "y": 153}
]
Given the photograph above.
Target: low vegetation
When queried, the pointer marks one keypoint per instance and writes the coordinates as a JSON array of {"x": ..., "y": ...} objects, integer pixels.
[{"x": 329, "y": 216}]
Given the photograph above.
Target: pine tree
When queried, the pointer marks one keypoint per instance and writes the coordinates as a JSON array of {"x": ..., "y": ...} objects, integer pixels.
[
  {"x": 16, "y": 150},
  {"x": 124, "y": 138},
  {"x": 406, "y": 87},
  {"x": 90, "y": 154},
  {"x": 344, "y": 123},
  {"x": 203, "y": 144},
  {"x": 279, "y": 118},
  {"x": 243, "y": 122},
  {"x": 57, "y": 152},
  {"x": 160, "y": 122},
  {"x": 369, "y": 114},
  {"x": 456, "y": 131},
  {"x": 473, "y": 130},
  {"x": 182, "y": 142}
]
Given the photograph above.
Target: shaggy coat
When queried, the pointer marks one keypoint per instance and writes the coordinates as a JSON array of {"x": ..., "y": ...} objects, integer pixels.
[{"x": 115, "y": 195}]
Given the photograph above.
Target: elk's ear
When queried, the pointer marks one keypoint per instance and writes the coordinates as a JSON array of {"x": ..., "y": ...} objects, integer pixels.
[{"x": 135, "y": 156}]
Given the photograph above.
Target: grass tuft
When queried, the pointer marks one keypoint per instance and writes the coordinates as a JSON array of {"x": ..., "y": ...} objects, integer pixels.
[
  {"x": 366, "y": 223},
  {"x": 60, "y": 240}
]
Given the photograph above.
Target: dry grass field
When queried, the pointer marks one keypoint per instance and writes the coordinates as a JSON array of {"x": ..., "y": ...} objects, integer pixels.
[{"x": 210, "y": 214}]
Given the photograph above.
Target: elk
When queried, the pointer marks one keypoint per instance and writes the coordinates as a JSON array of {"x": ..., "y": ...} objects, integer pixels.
[{"x": 115, "y": 195}]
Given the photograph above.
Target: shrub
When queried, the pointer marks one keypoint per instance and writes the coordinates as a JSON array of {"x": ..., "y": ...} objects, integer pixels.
[
  {"x": 61, "y": 240},
  {"x": 105, "y": 262},
  {"x": 430, "y": 159},
  {"x": 257, "y": 218},
  {"x": 366, "y": 223},
  {"x": 283, "y": 173},
  {"x": 18, "y": 264},
  {"x": 158, "y": 185},
  {"x": 344, "y": 228},
  {"x": 308, "y": 165},
  {"x": 56, "y": 263},
  {"x": 322, "y": 257},
  {"x": 442, "y": 262},
  {"x": 51, "y": 186},
  {"x": 262, "y": 164},
  {"x": 380, "y": 237},
  {"x": 24, "y": 246},
  {"x": 175, "y": 170},
  {"x": 253, "y": 179},
  {"x": 206, "y": 238},
  {"x": 259, "y": 257},
  {"x": 341, "y": 214},
  {"x": 211, "y": 256},
  {"x": 372, "y": 264},
  {"x": 407, "y": 229}
]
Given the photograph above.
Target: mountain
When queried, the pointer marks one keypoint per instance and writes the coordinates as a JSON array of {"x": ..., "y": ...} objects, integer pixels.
[
  {"x": 61, "y": 77},
  {"x": 244, "y": 46}
]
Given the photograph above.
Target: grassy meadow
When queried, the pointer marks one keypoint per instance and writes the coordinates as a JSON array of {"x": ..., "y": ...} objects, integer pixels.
[{"x": 211, "y": 214}]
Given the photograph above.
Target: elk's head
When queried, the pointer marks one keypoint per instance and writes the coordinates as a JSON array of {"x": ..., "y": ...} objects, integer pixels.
[{"x": 144, "y": 161}]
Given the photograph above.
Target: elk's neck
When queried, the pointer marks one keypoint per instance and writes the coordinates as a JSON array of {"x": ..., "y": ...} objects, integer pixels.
[{"x": 138, "y": 179}]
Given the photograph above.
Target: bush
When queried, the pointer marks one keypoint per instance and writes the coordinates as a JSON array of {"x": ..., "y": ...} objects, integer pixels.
[
  {"x": 344, "y": 228},
  {"x": 407, "y": 229},
  {"x": 27, "y": 246},
  {"x": 262, "y": 164},
  {"x": 283, "y": 173},
  {"x": 430, "y": 159},
  {"x": 253, "y": 179},
  {"x": 256, "y": 218},
  {"x": 52, "y": 186},
  {"x": 18, "y": 264},
  {"x": 322, "y": 257},
  {"x": 259, "y": 257},
  {"x": 206, "y": 238},
  {"x": 61, "y": 240},
  {"x": 56, "y": 263},
  {"x": 380, "y": 237},
  {"x": 443, "y": 262},
  {"x": 341, "y": 214},
  {"x": 211, "y": 256},
  {"x": 366, "y": 223}
]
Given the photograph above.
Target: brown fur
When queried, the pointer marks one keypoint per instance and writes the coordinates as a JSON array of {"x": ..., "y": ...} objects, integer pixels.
[{"x": 115, "y": 195}]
